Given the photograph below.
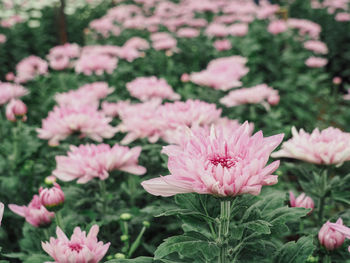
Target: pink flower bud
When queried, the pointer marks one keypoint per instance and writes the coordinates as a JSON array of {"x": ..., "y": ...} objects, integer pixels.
[
  {"x": 273, "y": 100},
  {"x": 10, "y": 76},
  {"x": 301, "y": 201},
  {"x": 15, "y": 109},
  {"x": 50, "y": 180},
  {"x": 337, "y": 80},
  {"x": 52, "y": 198},
  {"x": 330, "y": 238},
  {"x": 185, "y": 77},
  {"x": 1, "y": 211}
]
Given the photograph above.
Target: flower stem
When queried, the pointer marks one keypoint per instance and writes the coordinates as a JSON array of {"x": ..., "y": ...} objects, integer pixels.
[
  {"x": 320, "y": 209},
  {"x": 103, "y": 195},
  {"x": 136, "y": 243},
  {"x": 224, "y": 230},
  {"x": 58, "y": 218}
]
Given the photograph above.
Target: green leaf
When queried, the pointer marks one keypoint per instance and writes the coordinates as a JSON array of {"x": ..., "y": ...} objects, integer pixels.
[
  {"x": 133, "y": 260},
  {"x": 295, "y": 252},
  {"x": 259, "y": 226},
  {"x": 35, "y": 258},
  {"x": 187, "y": 245}
]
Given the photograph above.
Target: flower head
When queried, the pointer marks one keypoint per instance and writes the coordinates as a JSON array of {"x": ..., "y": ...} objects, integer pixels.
[
  {"x": 329, "y": 237},
  {"x": 51, "y": 198},
  {"x": 9, "y": 91},
  {"x": 16, "y": 108},
  {"x": 315, "y": 62},
  {"x": 329, "y": 146},
  {"x": 30, "y": 67},
  {"x": 211, "y": 162},
  {"x": 301, "y": 201},
  {"x": 63, "y": 121},
  {"x": 277, "y": 26},
  {"x": 80, "y": 248},
  {"x": 96, "y": 161},
  {"x": 35, "y": 213}
]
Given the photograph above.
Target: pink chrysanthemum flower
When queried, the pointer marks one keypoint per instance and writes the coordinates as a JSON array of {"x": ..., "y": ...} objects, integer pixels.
[
  {"x": 222, "y": 45},
  {"x": 329, "y": 146},
  {"x": 211, "y": 163},
  {"x": 277, "y": 26},
  {"x": 222, "y": 73},
  {"x": 341, "y": 229},
  {"x": 301, "y": 201},
  {"x": 52, "y": 198},
  {"x": 188, "y": 32},
  {"x": 35, "y": 213},
  {"x": 137, "y": 43},
  {"x": 59, "y": 57},
  {"x": 257, "y": 94},
  {"x": 146, "y": 88},
  {"x": 90, "y": 161},
  {"x": 315, "y": 62},
  {"x": 105, "y": 27},
  {"x": 30, "y": 67},
  {"x": 9, "y": 91},
  {"x": 316, "y": 46},
  {"x": 63, "y": 121},
  {"x": 239, "y": 30},
  {"x": 98, "y": 64},
  {"x": 2, "y": 207},
  {"x": 79, "y": 249},
  {"x": 16, "y": 109},
  {"x": 112, "y": 109},
  {"x": 88, "y": 94},
  {"x": 330, "y": 237}
]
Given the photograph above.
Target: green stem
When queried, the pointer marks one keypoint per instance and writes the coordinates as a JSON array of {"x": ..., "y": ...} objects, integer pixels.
[
  {"x": 46, "y": 233},
  {"x": 320, "y": 209},
  {"x": 224, "y": 230},
  {"x": 132, "y": 189},
  {"x": 213, "y": 233},
  {"x": 136, "y": 243},
  {"x": 58, "y": 218},
  {"x": 103, "y": 195}
]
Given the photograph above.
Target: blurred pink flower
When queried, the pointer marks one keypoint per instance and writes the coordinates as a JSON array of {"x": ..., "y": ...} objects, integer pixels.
[
  {"x": 35, "y": 213},
  {"x": 330, "y": 146},
  {"x": 1, "y": 211},
  {"x": 256, "y": 94},
  {"x": 222, "y": 73},
  {"x": 212, "y": 163},
  {"x": 329, "y": 237},
  {"x": 137, "y": 43},
  {"x": 52, "y": 197},
  {"x": 105, "y": 27},
  {"x": 86, "y": 95},
  {"x": 9, "y": 91},
  {"x": 3, "y": 38},
  {"x": 16, "y": 108},
  {"x": 95, "y": 63},
  {"x": 239, "y": 30},
  {"x": 223, "y": 44},
  {"x": 147, "y": 88},
  {"x": 315, "y": 62},
  {"x": 163, "y": 41},
  {"x": 10, "y": 76},
  {"x": 301, "y": 201},
  {"x": 188, "y": 32},
  {"x": 112, "y": 109},
  {"x": 185, "y": 77},
  {"x": 305, "y": 27},
  {"x": 216, "y": 30},
  {"x": 337, "y": 80},
  {"x": 80, "y": 248},
  {"x": 30, "y": 67},
  {"x": 316, "y": 46},
  {"x": 90, "y": 161},
  {"x": 59, "y": 57},
  {"x": 277, "y": 26},
  {"x": 63, "y": 121},
  {"x": 342, "y": 17}
]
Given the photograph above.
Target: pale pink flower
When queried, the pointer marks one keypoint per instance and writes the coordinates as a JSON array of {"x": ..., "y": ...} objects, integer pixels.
[
  {"x": 79, "y": 249},
  {"x": 52, "y": 197},
  {"x": 16, "y": 108},
  {"x": 30, "y": 67},
  {"x": 60, "y": 56},
  {"x": 147, "y": 88},
  {"x": 342, "y": 17},
  {"x": 98, "y": 64},
  {"x": 223, "y": 44},
  {"x": 35, "y": 213},
  {"x": 340, "y": 228},
  {"x": 337, "y": 80},
  {"x": 239, "y": 30},
  {"x": 63, "y": 121},
  {"x": 267, "y": 11},
  {"x": 330, "y": 146},
  {"x": 137, "y": 43},
  {"x": 185, "y": 77},
  {"x": 211, "y": 163},
  {"x": 187, "y": 32},
  {"x": 329, "y": 237},
  {"x": 301, "y": 201},
  {"x": 305, "y": 27},
  {"x": 3, "y": 38},
  {"x": 10, "y": 76},
  {"x": 88, "y": 94},
  {"x": 222, "y": 73},
  {"x": 316, "y": 46},
  {"x": 90, "y": 161},
  {"x": 2, "y": 207},
  {"x": 217, "y": 30},
  {"x": 277, "y": 26},
  {"x": 105, "y": 27},
  {"x": 253, "y": 95},
  {"x": 112, "y": 109},
  {"x": 9, "y": 91},
  {"x": 315, "y": 62},
  {"x": 163, "y": 41}
]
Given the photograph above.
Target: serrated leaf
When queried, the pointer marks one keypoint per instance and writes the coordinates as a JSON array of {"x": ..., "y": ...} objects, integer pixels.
[
  {"x": 133, "y": 260},
  {"x": 259, "y": 226},
  {"x": 295, "y": 252}
]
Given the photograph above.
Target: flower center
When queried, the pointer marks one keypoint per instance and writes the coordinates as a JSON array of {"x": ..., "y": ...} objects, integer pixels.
[
  {"x": 225, "y": 161},
  {"x": 75, "y": 247}
]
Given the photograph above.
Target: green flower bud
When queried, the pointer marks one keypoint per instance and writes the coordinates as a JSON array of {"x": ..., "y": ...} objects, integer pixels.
[
  {"x": 124, "y": 238},
  {"x": 125, "y": 216},
  {"x": 119, "y": 256},
  {"x": 146, "y": 224}
]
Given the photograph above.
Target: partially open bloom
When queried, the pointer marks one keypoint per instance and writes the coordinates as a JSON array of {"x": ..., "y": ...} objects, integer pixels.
[
  {"x": 35, "y": 213},
  {"x": 314, "y": 62},
  {"x": 63, "y": 121},
  {"x": 79, "y": 249},
  {"x": 222, "y": 73},
  {"x": 9, "y": 91},
  {"x": 329, "y": 237},
  {"x": 52, "y": 198},
  {"x": 30, "y": 67},
  {"x": 337, "y": 80},
  {"x": 146, "y": 88},
  {"x": 16, "y": 108},
  {"x": 257, "y": 94},
  {"x": 330, "y": 146},
  {"x": 339, "y": 227},
  {"x": 88, "y": 94},
  {"x": 301, "y": 201},
  {"x": 96, "y": 161},
  {"x": 211, "y": 162}
]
